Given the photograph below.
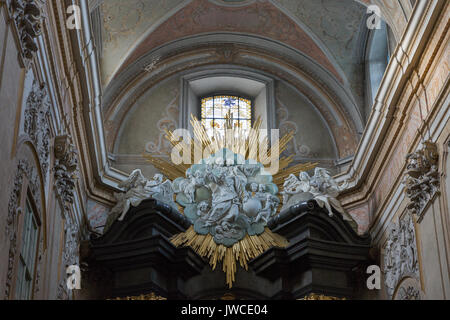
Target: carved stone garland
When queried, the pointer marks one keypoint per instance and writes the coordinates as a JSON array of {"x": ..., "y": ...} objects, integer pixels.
[
  {"x": 400, "y": 255},
  {"x": 36, "y": 125},
  {"x": 422, "y": 178},
  {"x": 24, "y": 169},
  {"x": 27, "y": 18},
  {"x": 65, "y": 174}
]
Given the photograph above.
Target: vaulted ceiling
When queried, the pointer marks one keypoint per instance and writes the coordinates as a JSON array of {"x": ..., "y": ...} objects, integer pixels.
[
  {"x": 327, "y": 30},
  {"x": 317, "y": 46}
]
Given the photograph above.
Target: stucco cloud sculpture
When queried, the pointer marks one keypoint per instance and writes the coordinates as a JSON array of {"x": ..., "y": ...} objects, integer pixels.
[{"x": 227, "y": 199}]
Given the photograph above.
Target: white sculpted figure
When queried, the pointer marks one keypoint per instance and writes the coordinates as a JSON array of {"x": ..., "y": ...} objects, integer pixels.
[
  {"x": 293, "y": 185},
  {"x": 138, "y": 188},
  {"x": 321, "y": 186},
  {"x": 225, "y": 198},
  {"x": 269, "y": 210},
  {"x": 189, "y": 185}
]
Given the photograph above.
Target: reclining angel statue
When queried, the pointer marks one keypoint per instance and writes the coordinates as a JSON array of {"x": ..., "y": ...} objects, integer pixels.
[
  {"x": 137, "y": 188},
  {"x": 321, "y": 187}
]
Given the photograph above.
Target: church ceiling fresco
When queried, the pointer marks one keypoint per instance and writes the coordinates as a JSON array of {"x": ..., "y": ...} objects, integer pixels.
[
  {"x": 124, "y": 22},
  {"x": 202, "y": 16},
  {"x": 325, "y": 30}
]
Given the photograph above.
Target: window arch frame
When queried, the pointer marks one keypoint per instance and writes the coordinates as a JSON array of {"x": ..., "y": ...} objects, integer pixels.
[{"x": 25, "y": 198}]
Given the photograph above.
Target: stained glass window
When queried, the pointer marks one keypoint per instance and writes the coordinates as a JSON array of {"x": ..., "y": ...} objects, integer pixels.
[{"x": 216, "y": 108}]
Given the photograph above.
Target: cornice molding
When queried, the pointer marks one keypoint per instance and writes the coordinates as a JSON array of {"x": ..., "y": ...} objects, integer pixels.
[{"x": 393, "y": 86}]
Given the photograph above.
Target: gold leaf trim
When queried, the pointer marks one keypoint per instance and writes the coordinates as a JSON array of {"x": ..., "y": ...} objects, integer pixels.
[
  {"x": 151, "y": 296},
  {"x": 243, "y": 251}
]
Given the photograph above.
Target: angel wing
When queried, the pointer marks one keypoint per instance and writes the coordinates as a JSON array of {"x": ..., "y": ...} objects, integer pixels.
[
  {"x": 290, "y": 182},
  {"x": 131, "y": 181}
]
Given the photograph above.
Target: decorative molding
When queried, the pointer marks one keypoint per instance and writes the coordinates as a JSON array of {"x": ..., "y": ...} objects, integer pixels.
[
  {"x": 24, "y": 169},
  {"x": 151, "y": 296},
  {"x": 71, "y": 256},
  {"x": 408, "y": 293},
  {"x": 37, "y": 282},
  {"x": 36, "y": 123},
  {"x": 27, "y": 18},
  {"x": 400, "y": 256},
  {"x": 422, "y": 178},
  {"x": 314, "y": 296},
  {"x": 408, "y": 289},
  {"x": 65, "y": 169},
  {"x": 65, "y": 174}
]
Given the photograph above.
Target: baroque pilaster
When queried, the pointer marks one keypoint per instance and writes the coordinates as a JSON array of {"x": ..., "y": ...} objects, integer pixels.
[{"x": 65, "y": 175}]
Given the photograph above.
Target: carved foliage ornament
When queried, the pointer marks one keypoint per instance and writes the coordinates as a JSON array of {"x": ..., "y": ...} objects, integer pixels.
[
  {"x": 65, "y": 169},
  {"x": 27, "y": 17},
  {"x": 314, "y": 296},
  {"x": 65, "y": 174},
  {"x": 36, "y": 124},
  {"x": 408, "y": 293},
  {"x": 422, "y": 177},
  {"x": 400, "y": 257}
]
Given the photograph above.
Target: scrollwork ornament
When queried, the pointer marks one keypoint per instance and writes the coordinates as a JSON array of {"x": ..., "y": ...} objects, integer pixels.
[
  {"x": 36, "y": 123},
  {"x": 28, "y": 21},
  {"x": 422, "y": 178},
  {"x": 65, "y": 170},
  {"x": 400, "y": 254}
]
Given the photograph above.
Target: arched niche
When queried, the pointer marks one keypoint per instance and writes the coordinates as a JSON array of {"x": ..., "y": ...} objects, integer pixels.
[{"x": 230, "y": 80}]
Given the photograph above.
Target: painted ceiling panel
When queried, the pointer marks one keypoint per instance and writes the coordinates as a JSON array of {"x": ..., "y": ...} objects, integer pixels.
[
  {"x": 124, "y": 23},
  {"x": 260, "y": 18},
  {"x": 335, "y": 22}
]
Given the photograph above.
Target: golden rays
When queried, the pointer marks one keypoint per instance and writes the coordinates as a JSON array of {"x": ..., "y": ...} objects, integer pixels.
[
  {"x": 252, "y": 145},
  {"x": 243, "y": 251}
]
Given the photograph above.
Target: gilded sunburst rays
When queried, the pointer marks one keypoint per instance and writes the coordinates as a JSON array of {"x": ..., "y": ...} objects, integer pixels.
[{"x": 252, "y": 145}]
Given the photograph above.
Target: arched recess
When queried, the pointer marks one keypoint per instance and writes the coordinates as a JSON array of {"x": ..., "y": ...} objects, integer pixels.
[
  {"x": 28, "y": 182},
  {"x": 166, "y": 16},
  {"x": 137, "y": 120},
  {"x": 263, "y": 55},
  {"x": 26, "y": 150}
]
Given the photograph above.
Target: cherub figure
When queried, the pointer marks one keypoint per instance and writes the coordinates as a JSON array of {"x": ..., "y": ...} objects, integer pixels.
[{"x": 269, "y": 210}]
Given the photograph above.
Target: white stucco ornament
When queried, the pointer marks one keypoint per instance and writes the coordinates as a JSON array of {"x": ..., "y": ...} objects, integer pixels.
[
  {"x": 321, "y": 187},
  {"x": 227, "y": 199},
  {"x": 137, "y": 188}
]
